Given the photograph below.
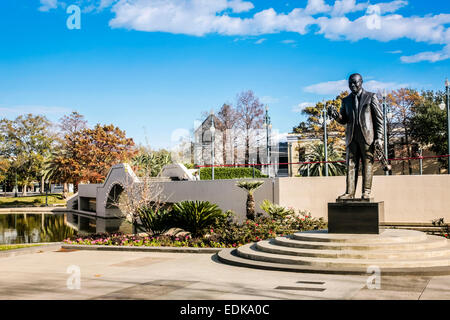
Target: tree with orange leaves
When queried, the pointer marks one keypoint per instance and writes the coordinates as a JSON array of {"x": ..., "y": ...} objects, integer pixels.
[
  {"x": 402, "y": 103},
  {"x": 100, "y": 148},
  {"x": 313, "y": 126},
  {"x": 86, "y": 155}
]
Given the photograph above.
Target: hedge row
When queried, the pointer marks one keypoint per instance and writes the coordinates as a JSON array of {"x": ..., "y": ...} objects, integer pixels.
[{"x": 230, "y": 173}]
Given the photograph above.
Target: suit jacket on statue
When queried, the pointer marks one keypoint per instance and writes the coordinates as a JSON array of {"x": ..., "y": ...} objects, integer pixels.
[{"x": 370, "y": 117}]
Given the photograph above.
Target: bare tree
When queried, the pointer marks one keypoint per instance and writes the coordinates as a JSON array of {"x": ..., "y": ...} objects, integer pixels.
[
  {"x": 229, "y": 118},
  {"x": 72, "y": 123},
  {"x": 138, "y": 193},
  {"x": 70, "y": 126},
  {"x": 251, "y": 116}
]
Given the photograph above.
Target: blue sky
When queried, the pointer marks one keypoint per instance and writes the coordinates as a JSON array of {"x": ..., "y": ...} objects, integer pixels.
[{"x": 152, "y": 66}]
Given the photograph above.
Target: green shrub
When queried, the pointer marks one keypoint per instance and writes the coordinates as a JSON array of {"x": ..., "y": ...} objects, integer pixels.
[
  {"x": 224, "y": 233},
  {"x": 189, "y": 165},
  {"x": 230, "y": 173},
  {"x": 276, "y": 211},
  {"x": 155, "y": 221},
  {"x": 38, "y": 201},
  {"x": 196, "y": 217},
  {"x": 233, "y": 234}
]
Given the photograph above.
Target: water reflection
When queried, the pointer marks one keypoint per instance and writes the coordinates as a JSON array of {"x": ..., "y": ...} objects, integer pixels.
[{"x": 33, "y": 228}]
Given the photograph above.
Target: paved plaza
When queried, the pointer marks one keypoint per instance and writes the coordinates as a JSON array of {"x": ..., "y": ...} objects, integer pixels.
[{"x": 172, "y": 276}]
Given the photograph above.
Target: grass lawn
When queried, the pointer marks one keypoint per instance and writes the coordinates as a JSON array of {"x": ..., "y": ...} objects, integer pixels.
[
  {"x": 4, "y": 247},
  {"x": 31, "y": 201}
]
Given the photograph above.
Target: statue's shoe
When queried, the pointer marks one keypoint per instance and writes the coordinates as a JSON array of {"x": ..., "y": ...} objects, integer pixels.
[
  {"x": 346, "y": 196},
  {"x": 366, "y": 196}
]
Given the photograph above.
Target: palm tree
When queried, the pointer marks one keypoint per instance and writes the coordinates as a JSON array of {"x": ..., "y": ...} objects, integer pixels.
[
  {"x": 55, "y": 169},
  {"x": 250, "y": 186},
  {"x": 151, "y": 163},
  {"x": 317, "y": 154}
]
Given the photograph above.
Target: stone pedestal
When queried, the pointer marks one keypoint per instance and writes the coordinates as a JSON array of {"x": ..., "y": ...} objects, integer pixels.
[{"x": 355, "y": 217}]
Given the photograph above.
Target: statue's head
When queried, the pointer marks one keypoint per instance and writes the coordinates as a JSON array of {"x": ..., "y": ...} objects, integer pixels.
[{"x": 355, "y": 83}]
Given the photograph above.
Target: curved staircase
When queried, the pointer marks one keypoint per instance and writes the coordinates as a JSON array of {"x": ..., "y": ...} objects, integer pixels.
[{"x": 395, "y": 252}]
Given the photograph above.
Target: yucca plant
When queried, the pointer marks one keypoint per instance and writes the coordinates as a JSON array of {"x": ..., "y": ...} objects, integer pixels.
[
  {"x": 155, "y": 220},
  {"x": 196, "y": 216},
  {"x": 317, "y": 155},
  {"x": 250, "y": 187},
  {"x": 276, "y": 211}
]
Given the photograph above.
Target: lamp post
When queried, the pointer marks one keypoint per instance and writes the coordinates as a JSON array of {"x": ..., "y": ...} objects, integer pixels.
[
  {"x": 15, "y": 188},
  {"x": 447, "y": 93},
  {"x": 385, "y": 128},
  {"x": 325, "y": 139},
  {"x": 213, "y": 130},
  {"x": 443, "y": 106},
  {"x": 268, "y": 126},
  {"x": 46, "y": 193}
]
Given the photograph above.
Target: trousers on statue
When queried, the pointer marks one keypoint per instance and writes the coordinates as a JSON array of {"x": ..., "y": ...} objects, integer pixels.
[{"x": 357, "y": 151}]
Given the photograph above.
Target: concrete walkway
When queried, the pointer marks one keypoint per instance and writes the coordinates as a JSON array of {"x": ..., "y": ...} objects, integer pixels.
[{"x": 155, "y": 275}]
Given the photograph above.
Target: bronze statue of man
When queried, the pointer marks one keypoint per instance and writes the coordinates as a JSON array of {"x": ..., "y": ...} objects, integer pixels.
[{"x": 362, "y": 114}]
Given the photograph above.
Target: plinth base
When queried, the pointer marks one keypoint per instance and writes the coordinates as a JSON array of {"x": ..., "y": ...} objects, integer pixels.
[{"x": 355, "y": 217}]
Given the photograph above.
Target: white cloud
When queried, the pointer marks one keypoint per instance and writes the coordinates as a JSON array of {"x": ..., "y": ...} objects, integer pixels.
[
  {"x": 428, "y": 56},
  {"x": 200, "y": 17},
  {"x": 106, "y": 3},
  {"x": 179, "y": 135},
  {"x": 288, "y": 41},
  {"x": 301, "y": 106},
  {"x": 376, "y": 21},
  {"x": 375, "y": 86},
  {"x": 428, "y": 29},
  {"x": 395, "y": 52},
  {"x": 393, "y": 6},
  {"x": 240, "y": 6},
  {"x": 47, "y": 5},
  {"x": 336, "y": 87},
  {"x": 329, "y": 87},
  {"x": 259, "y": 41},
  {"x": 317, "y": 6},
  {"x": 342, "y": 7},
  {"x": 277, "y": 136},
  {"x": 269, "y": 100}
]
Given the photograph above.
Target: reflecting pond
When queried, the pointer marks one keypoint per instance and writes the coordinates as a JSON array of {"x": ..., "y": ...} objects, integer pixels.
[{"x": 44, "y": 227}]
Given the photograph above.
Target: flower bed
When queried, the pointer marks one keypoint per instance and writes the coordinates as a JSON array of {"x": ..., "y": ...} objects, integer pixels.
[{"x": 228, "y": 234}]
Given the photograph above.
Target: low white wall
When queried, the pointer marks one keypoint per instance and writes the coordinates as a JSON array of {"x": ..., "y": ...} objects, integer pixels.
[{"x": 414, "y": 199}]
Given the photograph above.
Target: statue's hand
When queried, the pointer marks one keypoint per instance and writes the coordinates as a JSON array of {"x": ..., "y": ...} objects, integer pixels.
[
  {"x": 379, "y": 143},
  {"x": 333, "y": 113}
]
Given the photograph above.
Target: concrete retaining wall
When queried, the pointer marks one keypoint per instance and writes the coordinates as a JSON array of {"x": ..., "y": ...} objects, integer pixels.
[
  {"x": 408, "y": 199},
  {"x": 417, "y": 199}
]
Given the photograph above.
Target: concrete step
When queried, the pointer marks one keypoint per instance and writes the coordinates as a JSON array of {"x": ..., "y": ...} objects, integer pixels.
[
  {"x": 430, "y": 242},
  {"x": 250, "y": 251},
  {"x": 270, "y": 247},
  {"x": 385, "y": 236},
  {"x": 229, "y": 256}
]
